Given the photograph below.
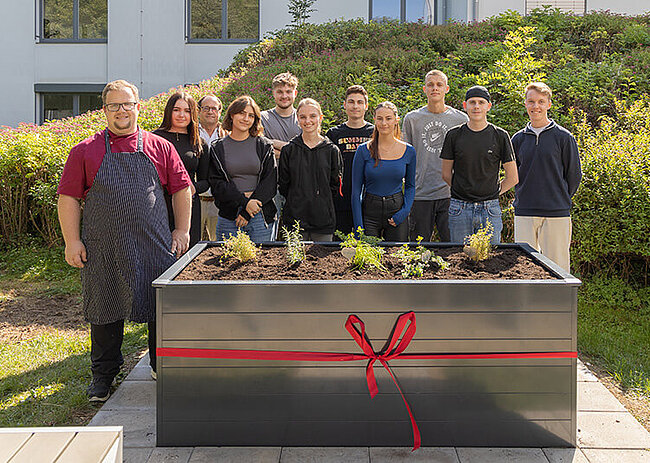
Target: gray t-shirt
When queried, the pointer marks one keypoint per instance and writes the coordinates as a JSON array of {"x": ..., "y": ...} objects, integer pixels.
[
  {"x": 280, "y": 128},
  {"x": 426, "y": 132},
  {"x": 242, "y": 163}
]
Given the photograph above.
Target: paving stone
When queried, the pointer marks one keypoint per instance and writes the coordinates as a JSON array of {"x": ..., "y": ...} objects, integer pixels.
[
  {"x": 500, "y": 455},
  {"x": 611, "y": 430},
  {"x": 423, "y": 454},
  {"x": 584, "y": 374},
  {"x": 170, "y": 454},
  {"x": 133, "y": 395},
  {"x": 594, "y": 397},
  {"x": 235, "y": 455},
  {"x": 140, "y": 374},
  {"x": 617, "y": 456},
  {"x": 136, "y": 455},
  {"x": 565, "y": 455},
  {"x": 139, "y": 425},
  {"x": 324, "y": 455}
]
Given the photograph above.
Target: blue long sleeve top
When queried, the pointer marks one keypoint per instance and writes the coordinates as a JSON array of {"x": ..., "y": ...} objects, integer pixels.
[{"x": 385, "y": 179}]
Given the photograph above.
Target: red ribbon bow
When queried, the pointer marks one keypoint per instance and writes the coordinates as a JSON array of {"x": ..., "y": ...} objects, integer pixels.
[{"x": 394, "y": 347}]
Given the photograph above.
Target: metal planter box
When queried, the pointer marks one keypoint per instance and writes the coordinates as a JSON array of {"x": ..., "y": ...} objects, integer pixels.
[{"x": 516, "y": 402}]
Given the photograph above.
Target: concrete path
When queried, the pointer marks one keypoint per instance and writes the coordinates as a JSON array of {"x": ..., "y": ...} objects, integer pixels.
[{"x": 606, "y": 433}]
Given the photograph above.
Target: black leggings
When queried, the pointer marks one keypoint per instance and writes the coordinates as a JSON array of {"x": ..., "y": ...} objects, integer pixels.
[{"x": 376, "y": 212}]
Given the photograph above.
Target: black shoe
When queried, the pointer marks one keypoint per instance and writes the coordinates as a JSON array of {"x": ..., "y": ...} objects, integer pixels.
[{"x": 99, "y": 390}]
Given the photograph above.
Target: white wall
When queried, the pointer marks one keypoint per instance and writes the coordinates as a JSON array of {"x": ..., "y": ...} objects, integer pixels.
[
  {"x": 17, "y": 74},
  {"x": 487, "y": 8},
  {"x": 632, "y": 7}
]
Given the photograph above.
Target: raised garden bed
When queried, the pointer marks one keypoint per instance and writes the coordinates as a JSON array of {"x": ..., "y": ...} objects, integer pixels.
[{"x": 528, "y": 400}]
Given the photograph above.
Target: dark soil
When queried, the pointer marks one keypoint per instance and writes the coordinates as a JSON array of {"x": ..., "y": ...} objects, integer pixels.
[{"x": 327, "y": 263}]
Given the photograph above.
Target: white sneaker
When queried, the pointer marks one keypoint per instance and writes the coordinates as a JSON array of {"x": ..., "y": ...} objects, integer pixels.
[{"x": 154, "y": 375}]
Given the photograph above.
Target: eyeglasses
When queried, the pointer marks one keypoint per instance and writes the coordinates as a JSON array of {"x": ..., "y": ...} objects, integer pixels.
[
  {"x": 207, "y": 109},
  {"x": 127, "y": 106}
]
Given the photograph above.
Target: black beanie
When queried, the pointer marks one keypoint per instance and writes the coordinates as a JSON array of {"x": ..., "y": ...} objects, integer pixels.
[{"x": 477, "y": 91}]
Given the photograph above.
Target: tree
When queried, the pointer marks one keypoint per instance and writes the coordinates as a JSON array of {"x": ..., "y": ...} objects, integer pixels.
[{"x": 300, "y": 11}]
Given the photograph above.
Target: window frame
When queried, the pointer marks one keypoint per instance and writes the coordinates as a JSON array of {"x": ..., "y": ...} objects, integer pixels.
[
  {"x": 40, "y": 27},
  {"x": 76, "y": 90},
  {"x": 528, "y": 9},
  {"x": 224, "y": 25},
  {"x": 402, "y": 11}
]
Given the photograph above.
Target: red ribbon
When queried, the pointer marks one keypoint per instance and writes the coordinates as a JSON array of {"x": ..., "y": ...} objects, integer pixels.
[{"x": 404, "y": 328}]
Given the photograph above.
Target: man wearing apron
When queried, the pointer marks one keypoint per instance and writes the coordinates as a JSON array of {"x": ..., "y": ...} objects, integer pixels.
[{"x": 125, "y": 240}]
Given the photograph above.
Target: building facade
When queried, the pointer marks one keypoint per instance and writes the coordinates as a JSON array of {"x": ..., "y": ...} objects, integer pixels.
[{"x": 59, "y": 54}]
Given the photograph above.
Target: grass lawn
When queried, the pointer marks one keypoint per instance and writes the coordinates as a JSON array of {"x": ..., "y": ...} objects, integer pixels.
[{"x": 45, "y": 345}]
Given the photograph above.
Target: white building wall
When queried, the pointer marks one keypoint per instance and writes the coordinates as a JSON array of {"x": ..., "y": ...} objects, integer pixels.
[
  {"x": 488, "y": 8},
  {"x": 633, "y": 7},
  {"x": 146, "y": 45},
  {"x": 17, "y": 74}
]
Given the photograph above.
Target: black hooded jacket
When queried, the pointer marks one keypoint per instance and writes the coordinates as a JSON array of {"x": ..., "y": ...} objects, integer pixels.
[{"x": 309, "y": 178}]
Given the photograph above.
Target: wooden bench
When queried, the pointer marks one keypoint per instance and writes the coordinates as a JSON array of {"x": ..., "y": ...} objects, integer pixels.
[{"x": 101, "y": 444}]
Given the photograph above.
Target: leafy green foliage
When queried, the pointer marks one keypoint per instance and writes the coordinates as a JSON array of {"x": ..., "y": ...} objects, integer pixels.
[
  {"x": 300, "y": 11},
  {"x": 366, "y": 252},
  {"x": 417, "y": 260},
  {"x": 478, "y": 245},
  {"x": 240, "y": 247},
  {"x": 294, "y": 244}
]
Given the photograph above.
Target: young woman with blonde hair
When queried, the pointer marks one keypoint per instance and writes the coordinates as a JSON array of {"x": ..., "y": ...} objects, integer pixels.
[{"x": 310, "y": 176}]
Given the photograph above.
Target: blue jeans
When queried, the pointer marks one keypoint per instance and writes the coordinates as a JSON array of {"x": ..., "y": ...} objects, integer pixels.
[
  {"x": 465, "y": 218},
  {"x": 256, "y": 228}
]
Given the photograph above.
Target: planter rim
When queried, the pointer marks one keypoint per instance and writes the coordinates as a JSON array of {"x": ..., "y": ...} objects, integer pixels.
[{"x": 562, "y": 277}]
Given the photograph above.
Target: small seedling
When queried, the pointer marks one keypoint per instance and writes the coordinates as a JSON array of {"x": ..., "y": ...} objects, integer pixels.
[
  {"x": 295, "y": 245},
  {"x": 240, "y": 247},
  {"x": 362, "y": 251},
  {"x": 416, "y": 260},
  {"x": 479, "y": 245}
]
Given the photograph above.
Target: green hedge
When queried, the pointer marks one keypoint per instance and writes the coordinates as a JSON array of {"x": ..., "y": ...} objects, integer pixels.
[{"x": 598, "y": 65}]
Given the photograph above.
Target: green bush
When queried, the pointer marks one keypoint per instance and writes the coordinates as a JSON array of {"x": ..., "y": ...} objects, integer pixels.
[{"x": 611, "y": 215}]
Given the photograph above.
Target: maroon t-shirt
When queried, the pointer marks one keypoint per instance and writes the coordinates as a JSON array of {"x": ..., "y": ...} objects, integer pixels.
[{"x": 86, "y": 158}]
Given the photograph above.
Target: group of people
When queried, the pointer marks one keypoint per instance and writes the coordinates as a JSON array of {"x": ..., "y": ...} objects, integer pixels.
[{"x": 148, "y": 197}]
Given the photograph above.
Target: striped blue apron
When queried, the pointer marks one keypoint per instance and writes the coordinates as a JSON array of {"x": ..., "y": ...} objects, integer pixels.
[{"x": 127, "y": 238}]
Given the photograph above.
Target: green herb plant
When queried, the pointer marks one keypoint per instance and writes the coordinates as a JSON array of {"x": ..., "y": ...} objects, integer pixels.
[
  {"x": 478, "y": 245},
  {"x": 295, "y": 247},
  {"x": 416, "y": 260},
  {"x": 366, "y": 252},
  {"x": 240, "y": 247}
]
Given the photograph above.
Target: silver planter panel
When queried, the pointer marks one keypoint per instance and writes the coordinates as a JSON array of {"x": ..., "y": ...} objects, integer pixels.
[{"x": 456, "y": 402}]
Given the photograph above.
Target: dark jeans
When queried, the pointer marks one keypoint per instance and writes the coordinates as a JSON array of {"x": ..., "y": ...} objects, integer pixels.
[
  {"x": 426, "y": 214},
  {"x": 376, "y": 212},
  {"x": 106, "y": 348},
  {"x": 344, "y": 222}
]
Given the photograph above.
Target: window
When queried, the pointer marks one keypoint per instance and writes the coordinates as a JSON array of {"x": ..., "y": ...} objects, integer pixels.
[
  {"x": 56, "y": 101},
  {"x": 223, "y": 21},
  {"x": 403, "y": 10},
  {"x": 73, "y": 20},
  {"x": 571, "y": 6}
]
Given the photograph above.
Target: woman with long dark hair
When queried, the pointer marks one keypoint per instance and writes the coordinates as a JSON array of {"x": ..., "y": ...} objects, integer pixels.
[
  {"x": 385, "y": 169},
  {"x": 180, "y": 125},
  {"x": 243, "y": 174}
]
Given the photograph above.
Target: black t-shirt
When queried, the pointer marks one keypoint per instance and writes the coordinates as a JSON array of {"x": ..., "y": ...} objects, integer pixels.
[
  {"x": 477, "y": 159},
  {"x": 348, "y": 140}
]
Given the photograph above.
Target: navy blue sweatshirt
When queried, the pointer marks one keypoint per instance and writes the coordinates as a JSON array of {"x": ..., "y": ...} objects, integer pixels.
[{"x": 549, "y": 171}]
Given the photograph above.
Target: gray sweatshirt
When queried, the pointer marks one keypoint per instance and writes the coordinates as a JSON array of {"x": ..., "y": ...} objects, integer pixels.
[{"x": 426, "y": 132}]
